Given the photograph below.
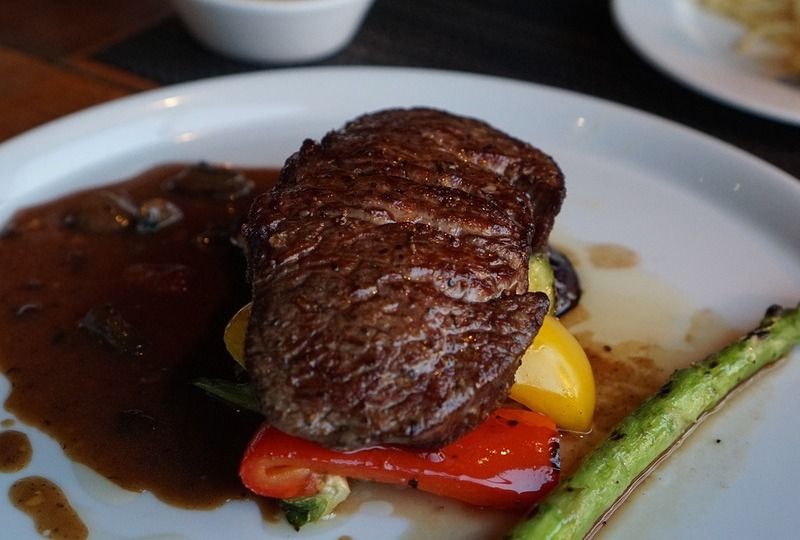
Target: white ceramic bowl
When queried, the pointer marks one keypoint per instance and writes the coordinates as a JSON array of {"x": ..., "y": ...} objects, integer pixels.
[{"x": 273, "y": 31}]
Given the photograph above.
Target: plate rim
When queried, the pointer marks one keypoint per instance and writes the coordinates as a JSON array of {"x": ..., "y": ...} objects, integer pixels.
[{"x": 126, "y": 105}]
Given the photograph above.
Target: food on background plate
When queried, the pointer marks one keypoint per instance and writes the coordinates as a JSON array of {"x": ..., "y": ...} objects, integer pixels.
[{"x": 773, "y": 28}]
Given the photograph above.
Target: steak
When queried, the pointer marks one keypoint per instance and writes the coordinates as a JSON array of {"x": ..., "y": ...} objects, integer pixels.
[{"x": 389, "y": 277}]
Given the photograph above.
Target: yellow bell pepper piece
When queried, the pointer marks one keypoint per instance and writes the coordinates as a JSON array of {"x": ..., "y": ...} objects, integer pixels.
[
  {"x": 556, "y": 379},
  {"x": 234, "y": 333}
]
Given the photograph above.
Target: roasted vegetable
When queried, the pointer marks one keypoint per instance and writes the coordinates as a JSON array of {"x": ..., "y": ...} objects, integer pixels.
[
  {"x": 509, "y": 461},
  {"x": 234, "y": 334},
  {"x": 540, "y": 277},
  {"x": 156, "y": 214},
  {"x": 204, "y": 180},
  {"x": 553, "y": 274},
  {"x": 566, "y": 282},
  {"x": 102, "y": 212},
  {"x": 105, "y": 322},
  {"x": 573, "y": 509},
  {"x": 332, "y": 490},
  {"x": 555, "y": 378}
]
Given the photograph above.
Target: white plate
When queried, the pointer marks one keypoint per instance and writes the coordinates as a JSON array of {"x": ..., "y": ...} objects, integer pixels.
[
  {"x": 697, "y": 48},
  {"x": 716, "y": 226}
]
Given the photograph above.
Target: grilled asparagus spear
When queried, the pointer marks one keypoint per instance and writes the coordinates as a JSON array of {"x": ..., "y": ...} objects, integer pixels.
[{"x": 573, "y": 509}]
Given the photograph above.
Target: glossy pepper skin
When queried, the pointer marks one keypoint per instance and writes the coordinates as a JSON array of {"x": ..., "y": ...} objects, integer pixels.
[
  {"x": 555, "y": 378},
  {"x": 509, "y": 461}
]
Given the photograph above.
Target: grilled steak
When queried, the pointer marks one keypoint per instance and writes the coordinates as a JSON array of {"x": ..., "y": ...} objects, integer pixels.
[{"x": 389, "y": 274}]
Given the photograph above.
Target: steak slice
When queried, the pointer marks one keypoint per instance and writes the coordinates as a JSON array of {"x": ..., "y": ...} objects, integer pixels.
[{"x": 389, "y": 275}]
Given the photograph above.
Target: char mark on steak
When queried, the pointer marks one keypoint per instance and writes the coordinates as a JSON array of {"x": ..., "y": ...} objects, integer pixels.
[{"x": 389, "y": 274}]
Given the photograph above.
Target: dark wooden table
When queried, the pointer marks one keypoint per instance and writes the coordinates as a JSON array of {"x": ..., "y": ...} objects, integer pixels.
[{"x": 58, "y": 57}]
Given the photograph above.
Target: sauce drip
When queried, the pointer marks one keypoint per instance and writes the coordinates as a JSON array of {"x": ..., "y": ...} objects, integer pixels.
[
  {"x": 48, "y": 507},
  {"x": 15, "y": 451},
  {"x": 612, "y": 256},
  {"x": 132, "y": 415}
]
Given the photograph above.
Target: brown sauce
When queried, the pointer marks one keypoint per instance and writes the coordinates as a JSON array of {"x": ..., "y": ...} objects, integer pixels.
[
  {"x": 625, "y": 375},
  {"x": 15, "y": 451},
  {"x": 628, "y": 372},
  {"x": 134, "y": 418},
  {"x": 48, "y": 507}
]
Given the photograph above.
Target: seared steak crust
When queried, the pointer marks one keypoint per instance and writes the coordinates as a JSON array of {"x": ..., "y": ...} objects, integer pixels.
[{"x": 389, "y": 272}]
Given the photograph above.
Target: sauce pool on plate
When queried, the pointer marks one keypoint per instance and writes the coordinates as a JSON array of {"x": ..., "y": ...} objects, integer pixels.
[{"x": 105, "y": 321}]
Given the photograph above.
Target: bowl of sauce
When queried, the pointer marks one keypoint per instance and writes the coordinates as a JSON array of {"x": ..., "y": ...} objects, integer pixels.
[{"x": 273, "y": 31}]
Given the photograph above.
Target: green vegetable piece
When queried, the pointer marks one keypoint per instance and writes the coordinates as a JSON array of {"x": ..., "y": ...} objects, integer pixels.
[
  {"x": 575, "y": 507},
  {"x": 333, "y": 490},
  {"x": 540, "y": 277},
  {"x": 240, "y": 395}
]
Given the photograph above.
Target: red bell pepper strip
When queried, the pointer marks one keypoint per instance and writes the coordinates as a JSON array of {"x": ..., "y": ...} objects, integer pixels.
[{"x": 509, "y": 461}]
